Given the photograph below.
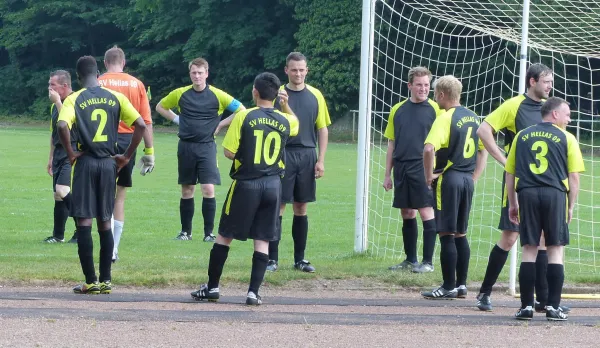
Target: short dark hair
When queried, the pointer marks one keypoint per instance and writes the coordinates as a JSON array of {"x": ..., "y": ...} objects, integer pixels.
[
  {"x": 295, "y": 56},
  {"x": 199, "y": 62},
  {"x": 63, "y": 76},
  {"x": 87, "y": 66},
  {"x": 267, "y": 84},
  {"x": 536, "y": 71},
  {"x": 552, "y": 104},
  {"x": 114, "y": 55}
]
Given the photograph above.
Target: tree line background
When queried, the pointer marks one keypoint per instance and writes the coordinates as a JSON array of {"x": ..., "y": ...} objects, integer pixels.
[{"x": 239, "y": 38}]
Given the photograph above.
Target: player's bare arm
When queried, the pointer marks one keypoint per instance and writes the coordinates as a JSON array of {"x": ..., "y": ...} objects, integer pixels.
[
  {"x": 229, "y": 154},
  {"x": 513, "y": 203},
  {"x": 65, "y": 139},
  {"x": 50, "y": 157},
  {"x": 168, "y": 114},
  {"x": 387, "y": 181},
  {"x": 486, "y": 135},
  {"x": 429, "y": 164},
  {"x": 227, "y": 121},
  {"x": 482, "y": 156},
  {"x": 573, "y": 192},
  {"x": 323, "y": 139},
  {"x": 138, "y": 133}
]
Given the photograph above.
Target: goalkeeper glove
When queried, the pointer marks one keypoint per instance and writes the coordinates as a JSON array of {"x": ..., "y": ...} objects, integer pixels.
[{"x": 147, "y": 161}]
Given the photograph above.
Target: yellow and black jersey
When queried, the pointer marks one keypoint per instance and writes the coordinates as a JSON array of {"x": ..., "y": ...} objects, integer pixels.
[
  {"x": 543, "y": 155},
  {"x": 54, "y": 130},
  {"x": 258, "y": 137},
  {"x": 311, "y": 109},
  {"x": 94, "y": 113},
  {"x": 199, "y": 111},
  {"x": 513, "y": 116},
  {"x": 454, "y": 137},
  {"x": 408, "y": 126}
]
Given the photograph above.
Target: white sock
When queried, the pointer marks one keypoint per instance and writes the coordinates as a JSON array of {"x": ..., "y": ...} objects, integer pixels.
[{"x": 117, "y": 232}]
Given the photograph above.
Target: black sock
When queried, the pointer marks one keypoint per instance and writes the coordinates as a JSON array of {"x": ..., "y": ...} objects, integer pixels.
[
  {"x": 61, "y": 215},
  {"x": 186, "y": 214},
  {"x": 259, "y": 267},
  {"x": 556, "y": 278},
  {"x": 448, "y": 261},
  {"x": 299, "y": 234},
  {"x": 218, "y": 256},
  {"x": 429, "y": 235},
  {"x": 409, "y": 237},
  {"x": 527, "y": 283},
  {"x": 495, "y": 264},
  {"x": 106, "y": 251},
  {"x": 274, "y": 245},
  {"x": 85, "y": 249},
  {"x": 541, "y": 280},
  {"x": 209, "y": 206},
  {"x": 463, "y": 255}
]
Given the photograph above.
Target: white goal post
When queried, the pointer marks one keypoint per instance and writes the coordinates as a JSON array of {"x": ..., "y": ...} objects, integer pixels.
[{"x": 488, "y": 45}]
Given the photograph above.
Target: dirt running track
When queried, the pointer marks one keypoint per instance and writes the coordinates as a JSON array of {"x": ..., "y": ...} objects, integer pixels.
[{"x": 293, "y": 316}]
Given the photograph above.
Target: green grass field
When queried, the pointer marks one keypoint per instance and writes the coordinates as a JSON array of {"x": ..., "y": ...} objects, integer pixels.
[{"x": 150, "y": 257}]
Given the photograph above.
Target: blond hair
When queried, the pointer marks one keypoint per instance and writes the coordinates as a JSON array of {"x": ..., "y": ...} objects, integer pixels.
[
  {"x": 199, "y": 62},
  {"x": 114, "y": 55},
  {"x": 418, "y": 71},
  {"x": 450, "y": 86}
]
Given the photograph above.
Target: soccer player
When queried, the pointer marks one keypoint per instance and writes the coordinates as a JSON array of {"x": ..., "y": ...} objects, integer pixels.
[
  {"x": 408, "y": 125},
  {"x": 94, "y": 113},
  {"x": 255, "y": 143},
  {"x": 302, "y": 164},
  {"x": 543, "y": 168},
  {"x": 511, "y": 117},
  {"x": 116, "y": 80},
  {"x": 59, "y": 167},
  {"x": 454, "y": 137},
  {"x": 199, "y": 106}
]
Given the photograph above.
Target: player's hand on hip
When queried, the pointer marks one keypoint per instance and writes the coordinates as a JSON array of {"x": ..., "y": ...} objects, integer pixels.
[
  {"x": 121, "y": 160},
  {"x": 53, "y": 95},
  {"x": 146, "y": 164},
  {"x": 513, "y": 214},
  {"x": 387, "y": 183},
  {"x": 319, "y": 170},
  {"x": 75, "y": 156}
]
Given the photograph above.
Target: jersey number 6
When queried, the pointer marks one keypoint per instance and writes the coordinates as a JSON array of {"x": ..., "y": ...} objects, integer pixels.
[
  {"x": 469, "y": 149},
  {"x": 263, "y": 147}
]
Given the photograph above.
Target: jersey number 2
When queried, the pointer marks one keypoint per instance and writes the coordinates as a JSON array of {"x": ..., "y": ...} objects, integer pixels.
[
  {"x": 99, "y": 113},
  {"x": 263, "y": 147},
  {"x": 540, "y": 157},
  {"x": 469, "y": 149}
]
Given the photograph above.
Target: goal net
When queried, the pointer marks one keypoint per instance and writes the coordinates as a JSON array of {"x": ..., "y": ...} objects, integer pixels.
[{"x": 479, "y": 42}]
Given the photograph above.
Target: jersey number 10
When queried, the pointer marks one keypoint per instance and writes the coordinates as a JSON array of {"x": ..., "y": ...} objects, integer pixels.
[{"x": 262, "y": 150}]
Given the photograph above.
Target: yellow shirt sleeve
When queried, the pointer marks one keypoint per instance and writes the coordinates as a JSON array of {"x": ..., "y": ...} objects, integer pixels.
[
  {"x": 234, "y": 133},
  {"x": 294, "y": 123},
  {"x": 389, "y": 129},
  {"x": 509, "y": 167},
  {"x": 574, "y": 158},
  {"x": 171, "y": 101},
  {"x": 226, "y": 101},
  {"x": 439, "y": 135},
  {"x": 67, "y": 112},
  {"x": 323, "y": 119},
  {"x": 128, "y": 114},
  {"x": 504, "y": 116},
  {"x": 436, "y": 107}
]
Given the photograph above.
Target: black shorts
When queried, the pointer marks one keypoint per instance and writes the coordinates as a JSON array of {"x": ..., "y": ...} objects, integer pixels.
[
  {"x": 453, "y": 193},
  {"x": 410, "y": 189},
  {"x": 93, "y": 188},
  {"x": 543, "y": 208},
  {"x": 505, "y": 224},
  {"x": 124, "y": 177},
  {"x": 197, "y": 163},
  {"x": 61, "y": 168},
  {"x": 299, "y": 183},
  {"x": 251, "y": 209}
]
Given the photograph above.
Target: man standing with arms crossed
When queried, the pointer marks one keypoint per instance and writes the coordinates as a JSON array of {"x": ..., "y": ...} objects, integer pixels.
[
  {"x": 95, "y": 113},
  {"x": 59, "y": 167},
  {"x": 408, "y": 125},
  {"x": 116, "y": 80},
  {"x": 512, "y": 116},
  {"x": 302, "y": 164},
  {"x": 543, "y": 167},
  {"x": 199, "y": 106}
]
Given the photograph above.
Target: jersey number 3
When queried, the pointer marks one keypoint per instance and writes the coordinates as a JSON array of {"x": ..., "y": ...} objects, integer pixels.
[
  {"x": 263, "y": 147},
  {"x": 99, "y": 113},
  {"x": 540, "y": 157}
]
